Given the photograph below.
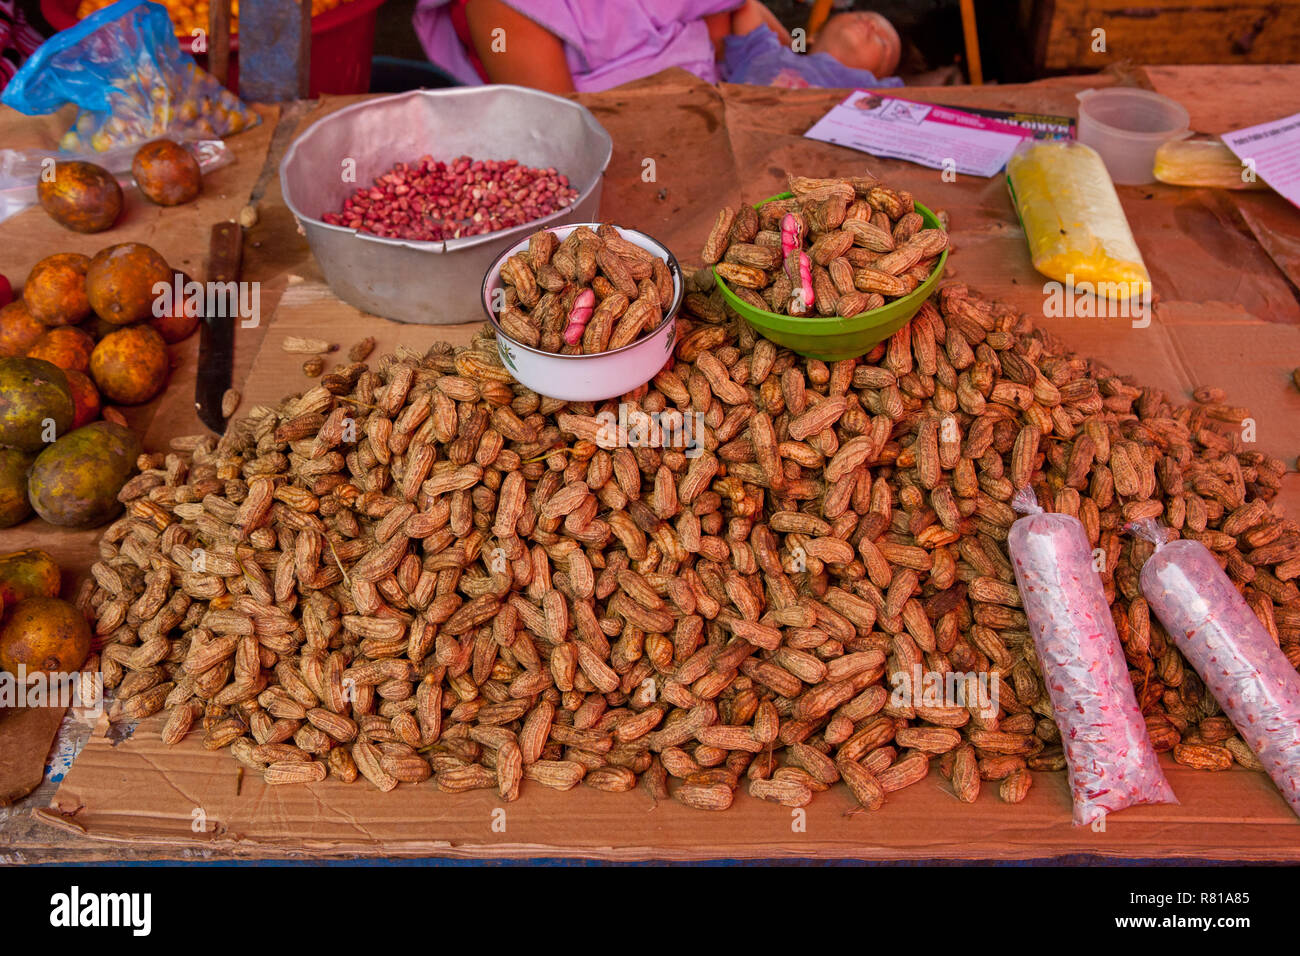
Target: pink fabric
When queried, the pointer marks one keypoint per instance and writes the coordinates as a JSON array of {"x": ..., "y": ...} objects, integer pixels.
[
  {"x": 607, "y": 42},
  {"x": 18, "y": 40}
]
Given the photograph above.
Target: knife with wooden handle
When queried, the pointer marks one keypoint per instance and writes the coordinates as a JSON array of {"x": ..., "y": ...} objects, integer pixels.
[{"x": 217, "y": 332}]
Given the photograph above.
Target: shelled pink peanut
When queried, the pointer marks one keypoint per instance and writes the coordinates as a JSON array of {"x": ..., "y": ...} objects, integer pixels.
[{"x": 434, "y": 200}]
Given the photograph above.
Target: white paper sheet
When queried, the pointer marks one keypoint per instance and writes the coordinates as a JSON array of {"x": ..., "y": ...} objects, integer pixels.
[
  {"x": 936, "y": 136},
  {"x": 1272, "y": 150}
]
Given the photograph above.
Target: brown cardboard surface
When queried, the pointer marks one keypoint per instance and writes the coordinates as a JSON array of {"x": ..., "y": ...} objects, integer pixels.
[
  {"x": 1252, "y": 94},
  {"x": 181, "y": 235},
  {"x": 672, "y": 167},
  {"x": 1227, "y": 316},
  {"x": 1273, "y": 227},
  {"x": 25, "y": 736},
  {"x": 142, "y": 792}
]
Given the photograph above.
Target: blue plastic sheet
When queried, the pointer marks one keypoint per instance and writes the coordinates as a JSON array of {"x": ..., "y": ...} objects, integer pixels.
[{"x": 123, "y": 67}]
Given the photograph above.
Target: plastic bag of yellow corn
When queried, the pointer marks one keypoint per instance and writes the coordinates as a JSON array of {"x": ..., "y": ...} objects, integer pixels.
[{"x": 1071, "y": 215}]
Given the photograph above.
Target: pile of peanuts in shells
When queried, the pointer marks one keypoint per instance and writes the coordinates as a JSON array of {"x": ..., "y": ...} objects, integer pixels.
[{"x": 419, "y": 570}]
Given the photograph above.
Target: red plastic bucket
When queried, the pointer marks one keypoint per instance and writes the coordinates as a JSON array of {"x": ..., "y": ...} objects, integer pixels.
[{"x": 342, "y": 41}]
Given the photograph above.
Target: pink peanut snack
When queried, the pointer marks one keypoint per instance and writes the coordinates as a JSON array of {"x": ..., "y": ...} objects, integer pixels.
[
  {"x": 1112, "y": 764},
  {"x": 791, "y": 233},
  {"x": 1218, "y": 633},
  {"x": 583, "y": 307},
  {"x": 798, "y": 267},
  {"x": 803, "y": 287}
]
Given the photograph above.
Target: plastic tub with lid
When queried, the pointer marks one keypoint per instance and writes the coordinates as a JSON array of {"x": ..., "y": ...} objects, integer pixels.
[{"x": 1126, "y": 126}]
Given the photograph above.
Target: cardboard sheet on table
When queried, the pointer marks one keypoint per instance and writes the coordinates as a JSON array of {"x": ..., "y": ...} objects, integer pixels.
[
  {"x": 309, "y": 310},
  {"x": 139, "y": 791},
  {"x": 1273, "y": 221},
  {"x": 672, "y": 167},
  {"x": 25, "y": 737},
  {"x": 1219, "y": 100},
  {"x": 142, "y": 792}
]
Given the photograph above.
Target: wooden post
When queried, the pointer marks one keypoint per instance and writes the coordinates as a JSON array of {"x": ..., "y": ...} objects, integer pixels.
[
  {"x": 219, "y": 40},
  {"x": 274, "y": 50},
  {"x": 972, "y": 42},
  {"x": 817, "y": 17}
]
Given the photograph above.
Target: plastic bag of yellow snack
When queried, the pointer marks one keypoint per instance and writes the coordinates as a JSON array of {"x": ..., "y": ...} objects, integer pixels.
[
  {"x": 123, "y": 67},
  {"x": 1203, "y": 162},
  {"x": 1077, "y": 231}
]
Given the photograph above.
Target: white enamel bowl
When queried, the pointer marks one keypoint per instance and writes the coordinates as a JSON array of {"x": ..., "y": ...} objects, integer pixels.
[{"x": 588, "y": 378}]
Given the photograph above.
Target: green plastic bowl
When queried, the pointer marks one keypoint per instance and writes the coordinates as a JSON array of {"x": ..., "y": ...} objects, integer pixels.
[{"x": 832, "y": 338}]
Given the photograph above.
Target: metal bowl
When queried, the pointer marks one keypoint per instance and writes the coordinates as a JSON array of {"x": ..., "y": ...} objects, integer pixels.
[
  {"x": 433, "y": 283},
  {"x": 588, "y": 378}
]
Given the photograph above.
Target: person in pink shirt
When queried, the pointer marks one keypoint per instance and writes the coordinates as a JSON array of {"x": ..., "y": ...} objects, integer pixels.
[{"x": 585, "y": 45}]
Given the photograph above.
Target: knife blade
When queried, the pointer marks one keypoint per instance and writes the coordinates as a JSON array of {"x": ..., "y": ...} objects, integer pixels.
[{"x": 217, "y": 331}]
